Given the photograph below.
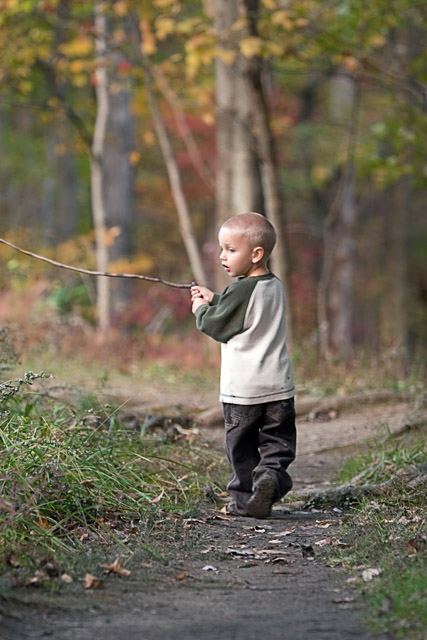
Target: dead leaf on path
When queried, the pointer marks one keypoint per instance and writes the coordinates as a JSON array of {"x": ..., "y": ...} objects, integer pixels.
[
  {"x": 370, "y": 574},
  {"x": 36, "y": 579},
  {"x": 91, "y": 582},
  {"x": 324, "y": 542},
  {"x": 159, "y": 497},
  {"x": 209, "y": 567},
  {"x": 281, "y": 534},
  {"x": 116, "y": 567},
  {"x": 222, "y": 517},
  {"x": 180, "y": 576},
  {"x": 277, "y": 560},
  {"x": 12, "y": 560},
  {"x": 343, "y": 599},
  {"x": 240, "y": 552},
  {"x": 66, "y": 578},
  {"x": 323, "y": 524}
]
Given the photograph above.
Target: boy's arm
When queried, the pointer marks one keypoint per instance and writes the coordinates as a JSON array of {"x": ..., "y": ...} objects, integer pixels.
[{"x": 224, "y": 317}]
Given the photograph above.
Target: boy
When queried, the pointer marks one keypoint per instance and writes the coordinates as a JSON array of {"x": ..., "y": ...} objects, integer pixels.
[{"x": 256, "y": 388}]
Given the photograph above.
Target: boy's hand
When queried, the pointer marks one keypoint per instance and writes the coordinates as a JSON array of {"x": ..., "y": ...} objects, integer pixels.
[
  {"x": 200, "y": 295},
  {"x": 198, "y": 291},
  {"x": 197, "y": 302}
]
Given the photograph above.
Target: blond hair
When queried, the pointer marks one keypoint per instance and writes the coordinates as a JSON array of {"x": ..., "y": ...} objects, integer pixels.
[{"x": 257, "y": 230}]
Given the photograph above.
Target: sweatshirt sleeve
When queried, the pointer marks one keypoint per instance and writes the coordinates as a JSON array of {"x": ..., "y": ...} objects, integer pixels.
[{"x": 225, "y": 316}]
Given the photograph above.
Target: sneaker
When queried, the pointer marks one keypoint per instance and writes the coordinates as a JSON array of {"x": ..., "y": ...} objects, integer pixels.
[
  {"x": 259, "y": 505},
  {"x": 233, "y": 510}
]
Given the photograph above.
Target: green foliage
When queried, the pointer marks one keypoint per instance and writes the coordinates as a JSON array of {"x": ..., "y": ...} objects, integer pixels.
[
  {"x": 388, "y": 535},
  {"x": 68, "y": 470},
  {"x": 381, "y": 464}
]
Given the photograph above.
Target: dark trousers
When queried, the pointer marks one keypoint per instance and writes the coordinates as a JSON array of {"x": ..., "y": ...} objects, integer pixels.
[{"x": 260, "y": 440}]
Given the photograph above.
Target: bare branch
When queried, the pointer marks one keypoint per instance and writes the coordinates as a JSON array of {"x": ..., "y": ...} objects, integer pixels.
[{"x": 96, "y": 273}]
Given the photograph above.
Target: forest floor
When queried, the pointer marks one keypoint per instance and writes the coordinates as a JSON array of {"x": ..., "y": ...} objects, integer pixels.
[{"x": 230, "y": 578}]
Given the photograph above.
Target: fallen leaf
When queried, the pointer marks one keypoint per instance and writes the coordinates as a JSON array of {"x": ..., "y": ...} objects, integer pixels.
[
  {"x": 159, "y": 497},
  {"x": 116, "y": 567},
  {"x": 91, "y": 582},
  {"x": 343, "y": 599},
  {"x": 370, "y": 574},
  {"x": 209, "y": 567},
  {"x": 181, "y": 575},
  {"x": 12, "y": 560},
  {"x": 324, "y": 542},
  {"x": 36, "y": 579},
  {"x": 66, "y": 578}
]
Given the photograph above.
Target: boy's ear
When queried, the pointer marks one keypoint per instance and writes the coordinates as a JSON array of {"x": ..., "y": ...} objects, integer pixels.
[{"x": 257, "y": 254}]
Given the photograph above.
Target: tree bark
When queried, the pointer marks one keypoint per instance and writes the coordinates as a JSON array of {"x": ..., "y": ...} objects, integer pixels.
[
  {"x": 267, "y": 157},
  {"x": 238, "y": 185},
  {"x": 335, "y": 289},
  {"x": 118, "y": 178},
  {"x": 97, "y": 168}
]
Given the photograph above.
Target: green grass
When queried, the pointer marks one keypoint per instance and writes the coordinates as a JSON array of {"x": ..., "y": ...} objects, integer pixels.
[
  {"x": 71, "y": 471},
  {"x": 389, "y": 534}
]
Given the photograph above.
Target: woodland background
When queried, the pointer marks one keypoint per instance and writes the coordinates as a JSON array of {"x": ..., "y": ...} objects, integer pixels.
[{"x": 130, "y": 129}]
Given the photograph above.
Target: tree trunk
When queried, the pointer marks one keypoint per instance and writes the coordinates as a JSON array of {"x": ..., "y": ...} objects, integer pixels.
[
  {"x": 393, "y": 314},
  {"x": 267, "y": 158},
  {"x": 238, "y": 187},
  {"x": 118, "y": 179},
  {"x": 185, "y": 222},
  {"x": 335, "y": 290},
  {"x": 97, "y": 169}
]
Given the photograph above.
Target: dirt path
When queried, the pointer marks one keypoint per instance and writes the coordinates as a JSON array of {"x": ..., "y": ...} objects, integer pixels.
[{"x": 243, "y": 579}]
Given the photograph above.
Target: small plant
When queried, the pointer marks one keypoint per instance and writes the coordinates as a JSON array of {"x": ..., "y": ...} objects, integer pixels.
[
  {"x": 388, "y": 535},
  {"x": 70, "y": 472}
]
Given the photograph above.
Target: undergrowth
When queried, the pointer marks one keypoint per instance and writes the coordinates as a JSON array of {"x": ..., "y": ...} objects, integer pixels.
[
  {"x": 388, "y": 535},
  {"x": 72, "y": 474}
]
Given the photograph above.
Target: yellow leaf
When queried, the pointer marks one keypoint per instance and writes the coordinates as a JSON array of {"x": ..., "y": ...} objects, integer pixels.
[
  {"x": 281, "y": 19},
  {"x": 251, "y": 46},
  {"x": 79, "y": 80},
  {"x": 78, "y": 47},
  {"x": 269, "y": 4},
  {"x": 186, "y": 27},
  {"x": 164, "y": 27},
  {"x": 134, "y": 157},
  {"x": 149, "y": 138},
  {"x": 148, "y": 45},
  {"x": 226, "y": 55},
  {"x": 76, "y": 66},
  {"x": 208, "y": 118},
  {"x": 376, "y": 40},
  {"x": 111, "y": 234},
  {"x": 120, "y": 8},
  {"x": 162, "y": 4},
  {"x": 351, "y": 64}
]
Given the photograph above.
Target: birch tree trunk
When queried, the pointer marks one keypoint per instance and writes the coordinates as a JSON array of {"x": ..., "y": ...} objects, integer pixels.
[
  {"x": 97, "y": 169},
  {"x": 184, "y": 217}
]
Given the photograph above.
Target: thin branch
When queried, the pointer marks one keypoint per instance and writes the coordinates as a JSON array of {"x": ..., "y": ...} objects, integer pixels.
[{"x": 96, "y": 273}]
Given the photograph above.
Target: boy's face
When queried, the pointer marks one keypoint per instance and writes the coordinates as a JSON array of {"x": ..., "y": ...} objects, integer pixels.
[{"x": 237, "y": 256}]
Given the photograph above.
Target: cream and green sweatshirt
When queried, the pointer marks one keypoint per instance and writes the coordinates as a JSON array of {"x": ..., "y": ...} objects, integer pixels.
[{"x": 249, "y": 320}]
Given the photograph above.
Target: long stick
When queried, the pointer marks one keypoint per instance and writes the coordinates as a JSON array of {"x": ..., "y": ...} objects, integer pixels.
[{"x": 96, "y": 273}]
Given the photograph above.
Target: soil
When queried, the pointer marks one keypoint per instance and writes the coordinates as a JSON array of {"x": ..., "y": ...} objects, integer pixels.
[{"x": 231, "y": 578}]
